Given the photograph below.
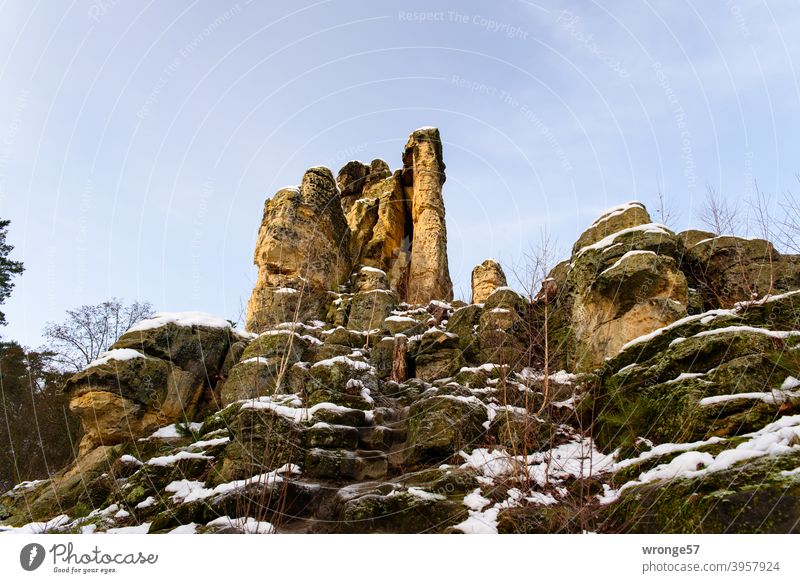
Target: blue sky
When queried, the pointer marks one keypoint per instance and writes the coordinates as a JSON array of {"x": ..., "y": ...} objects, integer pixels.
[{"x": 139, "y": 140}]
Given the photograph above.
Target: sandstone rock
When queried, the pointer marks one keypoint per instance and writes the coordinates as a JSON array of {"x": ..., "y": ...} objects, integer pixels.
[
  {"x": 380, "y": 221},
  {"x": 440, "y": 426},
  {"x": 502, "y": 331},
  {"x": 370, "y": 279},
  {"x": 726, "y": 270},
  {"x": 464, "y": 323},
  {"x": 369, "y": 309},
  {"x": 692, "y": 237},
  {"x": 303, "y": 244},
  {"x": 343, "y": 381},
  {"x": 616, "y": 288},
  {"x": 107, "y": 418},
  {"x": 636, "y": 295},
  {"x": 436, "y": 355},
  {"x": 350, "y": 179},
  {"x": 423, "y": 177},
  {"x": 632, "y": 214},
  {"x": 486, "y": 278}
]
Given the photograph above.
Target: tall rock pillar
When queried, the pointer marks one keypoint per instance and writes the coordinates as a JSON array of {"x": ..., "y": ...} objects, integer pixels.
[{"x": 423, "y": 177}]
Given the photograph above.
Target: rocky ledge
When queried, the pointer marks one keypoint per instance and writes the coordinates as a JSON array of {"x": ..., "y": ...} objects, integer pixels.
[{"x": 363, "y": 399}]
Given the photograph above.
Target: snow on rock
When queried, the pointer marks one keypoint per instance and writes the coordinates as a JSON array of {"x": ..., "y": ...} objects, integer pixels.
[
  {"x": 146, "y": 503},
  {"x": 609, "y": 240},
  {"x": 181, "y": 319},
  {"x": 782, "y": 334},
  {"x": 476, "y": 501},
  {"x": 705, "y": 317},
  {"x": 628, "y": 255},
  {"x": 354, "y": 364},
  {"x": 171, "y": 431},
  {"x": 139, "y": 529},
  {"x": 779, "y": 437},
  {"x": 129, "y": 459},
  {"x": 191, "y": 490},
  {"x": 38, "y": 527},
  {"x": 168, "y": 460},
  {"x": 120, "y": 354},
  {"x": 685, "y": 376},
  {"x": 616, "y": 211},
  {"x": 246, "y": 525},
  {"x": 190, "y": 528},
  {"x": 771, "y": 397}
]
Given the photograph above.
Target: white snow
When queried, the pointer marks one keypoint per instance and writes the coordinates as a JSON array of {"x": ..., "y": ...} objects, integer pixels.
[
  {"x": 297, "y": 414},
  {"x": 38, "y": 527},
  {"x": 664, "y": 449},
  {"x": 354, "y": 364},
  {"x": 615, "y": 211},
  {"x": 658, "y": 331},
  {"x": 146, "y": 503},
  {"x": 116, "y": 354},
  {"x": 27, "y": 485},
  {"x": 246, "y": 525},
  {"x": 139, "y": 529},
  {"x": 190, "y": 490},
  {"x": 368, "y": 269},
  {"x": 129, "y": 459},
  {"x": 766, "y": 299},
  {"x": 685, "y": 376},
  {"x": 732, "y": 329},
  {"x": 609, "y": 240},
  {"x": 168, "y": 460},
  {"x": 790, "y": 383},
  {"x": 476, "y": 501},
  {"x": 209, "y": 442},
  {"x": 769, "y": 397},
  {"x": 401, "y": 320},
  {"x": 779, "y": 437},
  {"x": 181, "y": 319},
  {"x": 423, "y": 494},
  {"x": 171, "y": 431},
  {"x": 190, "y": 528}
]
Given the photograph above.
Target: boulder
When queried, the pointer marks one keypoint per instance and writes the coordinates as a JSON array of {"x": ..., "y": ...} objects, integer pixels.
[
  {"x": 440, "y": 426},
  {"x": 369, "y": 309},
  {"x": 615, "y": 219},
  {"x": 726, "y": 270},
  {"x": 486, "y": 277}
]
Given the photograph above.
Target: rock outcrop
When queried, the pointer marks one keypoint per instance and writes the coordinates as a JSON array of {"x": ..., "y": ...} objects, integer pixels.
[
  {"x": 162, "y": 370},
  {"x": 622, "y": 281},
  {"x": 486, "y": 278},
  {"x": 314, "y": 239},
  {"x": 360, "y": 411},
  {"x": 423, "y": 177}
]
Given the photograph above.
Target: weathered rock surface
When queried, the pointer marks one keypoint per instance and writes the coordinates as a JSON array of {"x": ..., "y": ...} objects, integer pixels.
[
  {"x": 355, "y": 410},
  {"x": 486, "y": 278},
  {"x": 423, "y": 177},
  {"x": 302, "y": 252}
]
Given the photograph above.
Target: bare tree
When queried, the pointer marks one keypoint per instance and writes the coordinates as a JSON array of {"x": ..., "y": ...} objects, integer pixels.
[
  {"x": 718, "y": 214},
  {"x": 88, "y": 331},
  {"x": 665, "y": 212}
]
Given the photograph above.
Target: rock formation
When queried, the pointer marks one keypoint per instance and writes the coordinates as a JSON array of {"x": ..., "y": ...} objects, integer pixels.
[
  {"x": 314, "y": 238},
  {"x": 486, "y": 278},
  {"x": 423, "y": 177},
  {"x": 354, "y": 409}
]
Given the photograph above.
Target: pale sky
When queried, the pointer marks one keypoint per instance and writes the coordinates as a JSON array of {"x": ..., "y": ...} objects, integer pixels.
[{"x": 139, "y": 140}]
